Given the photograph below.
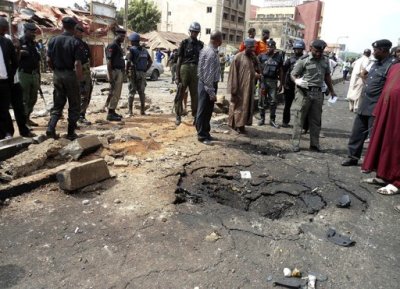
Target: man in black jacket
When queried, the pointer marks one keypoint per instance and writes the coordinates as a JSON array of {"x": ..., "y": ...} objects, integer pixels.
[{"x": 8, "y": 67}]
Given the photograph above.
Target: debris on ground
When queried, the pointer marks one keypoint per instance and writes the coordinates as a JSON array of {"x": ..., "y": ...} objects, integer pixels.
[{"x": 339, "y": 239}]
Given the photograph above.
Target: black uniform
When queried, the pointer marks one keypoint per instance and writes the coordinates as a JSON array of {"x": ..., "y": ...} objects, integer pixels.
[
  {"x": 29, "y": 73},
  {"x": 63, "y": 51},
  {"x": 10, "y": 61},
  {"x": 115, "y": 55},
  {"x": 289, "y": 87},
  {"x": 189, "y": 52},
  {"x": 364, "y": 119}
]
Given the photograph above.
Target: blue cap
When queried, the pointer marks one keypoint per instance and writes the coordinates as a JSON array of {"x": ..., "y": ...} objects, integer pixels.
[{"x": 299, "y": 44}]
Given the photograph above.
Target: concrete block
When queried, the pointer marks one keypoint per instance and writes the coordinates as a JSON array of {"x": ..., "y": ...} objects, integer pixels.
[
  {"x": 81, "y": 147},
  {"x": 26, "y": 184},
  {"x": 10, "y": 147},
  {"x": 83, "y": 174}
]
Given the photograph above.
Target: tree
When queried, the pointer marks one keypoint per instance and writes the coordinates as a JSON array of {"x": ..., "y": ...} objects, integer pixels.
[{"x": 143, "y": 16}]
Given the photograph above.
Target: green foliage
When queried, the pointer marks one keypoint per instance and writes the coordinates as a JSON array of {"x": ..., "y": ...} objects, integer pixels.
[{"x": 143, "y": 16}]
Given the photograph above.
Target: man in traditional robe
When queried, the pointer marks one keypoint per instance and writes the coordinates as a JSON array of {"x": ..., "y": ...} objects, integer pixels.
[
  {"x": 241, "y": 86},
  {"x": 357, "y": 81}
]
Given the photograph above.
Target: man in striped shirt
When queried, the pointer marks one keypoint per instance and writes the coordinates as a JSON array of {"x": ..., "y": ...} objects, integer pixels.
[{"x": 208, "y": 72}]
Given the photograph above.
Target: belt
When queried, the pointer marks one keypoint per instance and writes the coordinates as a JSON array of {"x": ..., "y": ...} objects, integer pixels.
[
  {"x": 30, "y": 71},
  {"x": 314, "y": 88}
]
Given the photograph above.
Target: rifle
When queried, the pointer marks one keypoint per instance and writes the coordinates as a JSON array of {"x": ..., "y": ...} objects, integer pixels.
[
  {"x": 41, "y": 92},
  {"x": 178, "y": 106}
]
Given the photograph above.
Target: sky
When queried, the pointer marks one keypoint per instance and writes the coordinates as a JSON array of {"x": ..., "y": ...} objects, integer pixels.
[
  {"x": 356, "y": 23},
  {"x": 361, "y": 21}
]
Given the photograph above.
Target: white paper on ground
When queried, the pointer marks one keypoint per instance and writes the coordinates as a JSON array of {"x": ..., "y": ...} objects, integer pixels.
[{"x": 245, "y": 174}]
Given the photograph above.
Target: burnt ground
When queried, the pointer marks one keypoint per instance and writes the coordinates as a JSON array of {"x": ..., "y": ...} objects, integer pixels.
[{"x": 183, "y": 217}]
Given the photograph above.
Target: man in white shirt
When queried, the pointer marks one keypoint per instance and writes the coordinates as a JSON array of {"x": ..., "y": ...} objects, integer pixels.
[{"x": 356, "y": 81}]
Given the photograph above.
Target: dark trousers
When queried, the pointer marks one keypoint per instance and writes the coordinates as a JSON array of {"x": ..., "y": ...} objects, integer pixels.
[
  {"x": 361, "y": 128},
  {"x": 204, "y": 112},
  {"x": 289, "y": 96},
  {"x": 17, "y": 103},
  {"x": 66, "y": 88},
  {"x": 5, "y": 98}
]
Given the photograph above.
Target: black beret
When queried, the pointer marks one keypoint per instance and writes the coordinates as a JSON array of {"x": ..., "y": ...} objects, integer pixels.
[
  {"x": 120, "y": 30},
  {"x": 384, "y": 43},
  {"x": 30, "y": 26},
  {"x": 318, "y": 44},
  {"x": 69, "y": 20}
]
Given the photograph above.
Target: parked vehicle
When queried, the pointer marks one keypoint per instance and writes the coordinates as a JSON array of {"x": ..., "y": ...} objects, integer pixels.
[{"x": 99, "y": 73}]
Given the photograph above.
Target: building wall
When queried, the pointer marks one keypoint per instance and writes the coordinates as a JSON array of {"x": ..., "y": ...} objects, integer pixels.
[
  {"x": 229, "y": 16},
  {"x": 310, "y": 13},
  {"x": 282, "y": 11}
]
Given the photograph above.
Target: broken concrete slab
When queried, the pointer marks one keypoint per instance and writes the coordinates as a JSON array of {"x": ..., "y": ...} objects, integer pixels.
[
  {"x": 81, "y": 147},
  {"x": 83, "y": 174},
  {"x": 26, "y": 184},
  {"x": 10, "y": 147},
  {"x": 30, "y": 160}
]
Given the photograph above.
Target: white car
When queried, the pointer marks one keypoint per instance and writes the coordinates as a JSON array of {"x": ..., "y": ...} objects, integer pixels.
[{"x": 99, "y": 73}]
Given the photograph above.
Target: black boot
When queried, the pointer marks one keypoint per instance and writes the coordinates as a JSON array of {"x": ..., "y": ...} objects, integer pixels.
[
  {"x": 112, "y": 116},
  {"x": 51, "y": 128},
  {"x": 273, "y": 123},
  {"x": 83, "y": 120},
  {"x": 178, "y": 120},
  {"x": 71, "y": 135},
  {"x": 262, "y": 117}
]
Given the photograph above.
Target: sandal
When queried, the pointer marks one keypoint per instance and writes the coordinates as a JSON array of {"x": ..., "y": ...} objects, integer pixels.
[
  {"x": 374, "y": 181},
  {"x": 388, "y": 190}
]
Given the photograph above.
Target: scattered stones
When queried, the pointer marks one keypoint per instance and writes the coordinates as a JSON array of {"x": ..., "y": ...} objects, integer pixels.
[
  {"x": 83, "y": 174},
  {"x": 85, "y": 202},
  {"x": 109, "y": 160},
  {"x": 213, "y": 237},
  {"x": 117, "y": 201},
  {"x": 37, "y": 201},
  {"x": 149, "y": 160},
  {"x": 82, "y": 146},
  {"x": 120, "y": 163},
  {"x": 132, "y": 160}
]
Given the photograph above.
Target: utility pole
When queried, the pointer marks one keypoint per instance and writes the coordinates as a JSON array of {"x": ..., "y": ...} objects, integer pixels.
[{"x": 126, "y": 16}]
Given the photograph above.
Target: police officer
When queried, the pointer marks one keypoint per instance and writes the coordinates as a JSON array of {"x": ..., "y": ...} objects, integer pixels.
[
  {"x": 272, "y": 71},
  {"x": 298, "y": 48},
  {"x": 87, "y": 86},
  {"x": 309, "y": 74},
  {"x": 64, "y": 57},
  {"x": 186, "y": 69},
  {"x": 139, "y": 62},
  {"x": 29, "y": 70},
  {"x": 115, "y": 70},
  {"x": 364, "y": 119}
]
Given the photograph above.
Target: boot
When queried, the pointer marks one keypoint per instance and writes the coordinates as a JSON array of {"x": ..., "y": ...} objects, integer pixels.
[
  {"x": 51, "y": 128},
  {"x": 112, "y": 116},
  {"x": 273, "y": 123},
  {"x": 142, "y": 105},
  {"x": 178, "y": 120},
  {"x": 130, "y": 106},
  {"x": 71, "y": 135},
  {"x": 83, "y": 120},
  {"x": 262, "y": 117}
]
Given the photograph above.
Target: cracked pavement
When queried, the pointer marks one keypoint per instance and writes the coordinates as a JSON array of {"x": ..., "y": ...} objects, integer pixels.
[{"x": 182, "y": 191}]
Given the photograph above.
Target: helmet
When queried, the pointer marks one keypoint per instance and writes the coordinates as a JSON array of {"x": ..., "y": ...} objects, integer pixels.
[
  {"x": 271, "y": 43},
  {"x": 134, "y": 37},
  {"x": 195, "y": 26},
  {"x": 299, "y": 45}
]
